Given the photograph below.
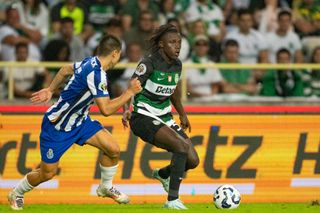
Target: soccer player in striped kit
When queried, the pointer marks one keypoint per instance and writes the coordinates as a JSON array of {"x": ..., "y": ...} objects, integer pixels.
[
  {"x": 151, "y": 119},
  {"x": 67, "y": 121}
]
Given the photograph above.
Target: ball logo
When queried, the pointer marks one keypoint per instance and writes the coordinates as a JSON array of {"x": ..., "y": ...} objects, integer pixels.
[
  {"x": 156, "y": 122},
  {"x": 50, "y": 154},
  {"x": 141, "y": 69}
]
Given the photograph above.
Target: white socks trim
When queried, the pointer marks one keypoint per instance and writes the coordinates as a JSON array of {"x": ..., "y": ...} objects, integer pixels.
[
  {"x": 107, "y": 174},
  {"x": 23, "y": 186}
]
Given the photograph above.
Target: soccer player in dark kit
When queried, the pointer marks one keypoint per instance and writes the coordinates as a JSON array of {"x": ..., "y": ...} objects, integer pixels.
[{"x": 151, "y": 119}]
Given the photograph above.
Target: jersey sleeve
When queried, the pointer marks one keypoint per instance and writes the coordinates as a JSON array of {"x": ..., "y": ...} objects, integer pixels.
[
  {"x": 97, "y": 84},
  {"x": 143, "y": 71}
]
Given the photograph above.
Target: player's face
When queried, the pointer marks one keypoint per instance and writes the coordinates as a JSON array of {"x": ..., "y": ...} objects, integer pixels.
[{"x": 171, "y": 45}]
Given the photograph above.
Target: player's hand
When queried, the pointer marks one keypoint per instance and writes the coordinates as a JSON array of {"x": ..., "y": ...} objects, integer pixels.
[
  {"x": 135, "y": 86},
  {"x": 184, "y": 123},
  {"x": 125, "y": 118},
  {"x": 41, "y": 97}
]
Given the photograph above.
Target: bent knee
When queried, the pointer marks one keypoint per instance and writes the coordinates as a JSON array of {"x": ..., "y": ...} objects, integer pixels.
[
  {"x": 113, "y": 151},
  {"x": 193, "y": 163},
  {"x": 183, "y": 146}
]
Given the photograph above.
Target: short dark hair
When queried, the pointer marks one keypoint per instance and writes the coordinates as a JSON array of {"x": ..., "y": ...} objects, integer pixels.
[
  {"x": 53, "y": 48},
  {"x": 231, "y": 42},
  {"x": 113, "y": 23},
  {"x": 108, "y": 44},
  {"x": 284, "y": 13},
  {"x": 283, "y": 50},
  {"x": 66, "y": 20},
  {"x": 242, "y": 12},
  {"x": 145, "y": 12}
]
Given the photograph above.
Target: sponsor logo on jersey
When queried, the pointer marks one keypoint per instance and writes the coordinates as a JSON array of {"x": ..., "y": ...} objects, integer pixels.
[
  {"x": 50, "y": 154},
  {"x": 141, "y": 69},
  {"x": 164, "y": 90}
]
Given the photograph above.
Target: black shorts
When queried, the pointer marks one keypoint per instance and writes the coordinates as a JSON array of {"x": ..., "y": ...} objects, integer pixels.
[{"x": 146, "y": 127}]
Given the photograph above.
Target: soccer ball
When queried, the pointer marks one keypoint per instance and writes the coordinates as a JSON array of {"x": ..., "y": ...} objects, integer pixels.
[{"x": 226, "y": 197}]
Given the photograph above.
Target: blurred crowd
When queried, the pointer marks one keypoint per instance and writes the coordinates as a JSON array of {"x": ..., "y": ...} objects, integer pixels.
[{"x": 213, "y": 31}]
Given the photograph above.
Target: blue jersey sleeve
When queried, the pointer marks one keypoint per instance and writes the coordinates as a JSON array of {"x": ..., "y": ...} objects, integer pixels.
[{"x": 97, "y": 83}]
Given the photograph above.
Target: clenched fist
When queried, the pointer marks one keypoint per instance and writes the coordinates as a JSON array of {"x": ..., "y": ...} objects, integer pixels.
[{"x": 135, "y": 86}]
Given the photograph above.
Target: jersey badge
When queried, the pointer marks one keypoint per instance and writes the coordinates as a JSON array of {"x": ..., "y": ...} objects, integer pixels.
[
  {"x": 50, "y": 154},
  {"x": 141, "y": 69},
  {"x": 103, "y": 86}
]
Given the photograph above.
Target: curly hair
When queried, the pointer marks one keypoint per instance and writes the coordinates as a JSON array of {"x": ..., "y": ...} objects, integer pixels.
[{"x": 158, "y": 34}]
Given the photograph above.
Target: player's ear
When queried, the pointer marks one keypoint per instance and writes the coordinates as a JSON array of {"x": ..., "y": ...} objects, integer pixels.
[{"x": 115, "y": 53}]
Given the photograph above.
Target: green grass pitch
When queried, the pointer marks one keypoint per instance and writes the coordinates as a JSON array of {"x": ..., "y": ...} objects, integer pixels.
[{"x": 155, "y": 208}]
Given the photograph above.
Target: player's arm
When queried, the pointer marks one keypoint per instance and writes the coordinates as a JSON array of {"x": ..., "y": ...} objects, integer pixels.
[
  {"x": 61, "y": 76},
  {"x": 44, "y": 95},
  {"x": 142, "y": 73},
  {"x": 107, "y": 107},
  {"x": 176, "y": 102}
]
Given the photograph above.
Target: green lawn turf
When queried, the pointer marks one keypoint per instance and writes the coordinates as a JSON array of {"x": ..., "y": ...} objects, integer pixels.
[{"x": 155, "y": 208}]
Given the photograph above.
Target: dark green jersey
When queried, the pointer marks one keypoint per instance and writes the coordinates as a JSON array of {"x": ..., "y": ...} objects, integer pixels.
[{"x": 159, "y": 80}]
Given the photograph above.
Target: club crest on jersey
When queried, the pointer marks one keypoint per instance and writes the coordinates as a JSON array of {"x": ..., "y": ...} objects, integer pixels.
[
  {"x": 50, "y": 154},
  {"x": 103, "y": 86},
  {"x": 141, "y": 69}
]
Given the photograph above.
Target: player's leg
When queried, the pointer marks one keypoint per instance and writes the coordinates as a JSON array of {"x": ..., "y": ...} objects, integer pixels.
[
  {"x": 46, "y": 172},
  {"x": 192, "y": 161},
  {"x": 168, "y": 139},
  {"x": 104, "y": 141}
]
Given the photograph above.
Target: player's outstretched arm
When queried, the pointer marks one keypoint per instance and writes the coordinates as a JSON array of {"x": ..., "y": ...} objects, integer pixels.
[
  {"x": 107, "y": 107},
  {"x": 126, "y": 113},
  {"x": 44, "y": 95}
]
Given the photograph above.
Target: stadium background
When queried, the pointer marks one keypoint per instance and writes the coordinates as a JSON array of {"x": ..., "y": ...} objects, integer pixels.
[{"x": 271, "y": 154}]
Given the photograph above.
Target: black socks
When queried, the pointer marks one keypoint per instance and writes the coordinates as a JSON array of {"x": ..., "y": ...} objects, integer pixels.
[
  {"x": 165, "y": 172},
  {"x": 177, "y": 167}
]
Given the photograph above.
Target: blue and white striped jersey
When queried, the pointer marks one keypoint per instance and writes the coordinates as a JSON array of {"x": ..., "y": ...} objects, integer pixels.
[{"x": 88, "y": 82}]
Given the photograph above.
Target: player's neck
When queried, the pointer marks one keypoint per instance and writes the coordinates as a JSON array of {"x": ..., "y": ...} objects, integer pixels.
[{"x": 105, "y": 62}]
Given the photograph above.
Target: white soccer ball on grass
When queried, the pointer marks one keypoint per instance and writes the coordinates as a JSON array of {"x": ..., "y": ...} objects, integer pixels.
[{"x": 226, "y": 197}]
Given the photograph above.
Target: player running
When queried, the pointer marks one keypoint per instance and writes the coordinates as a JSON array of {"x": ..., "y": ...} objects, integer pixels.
[
  {"x": 151, "y": 119},
  {"x": 67, "y": 121}
]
